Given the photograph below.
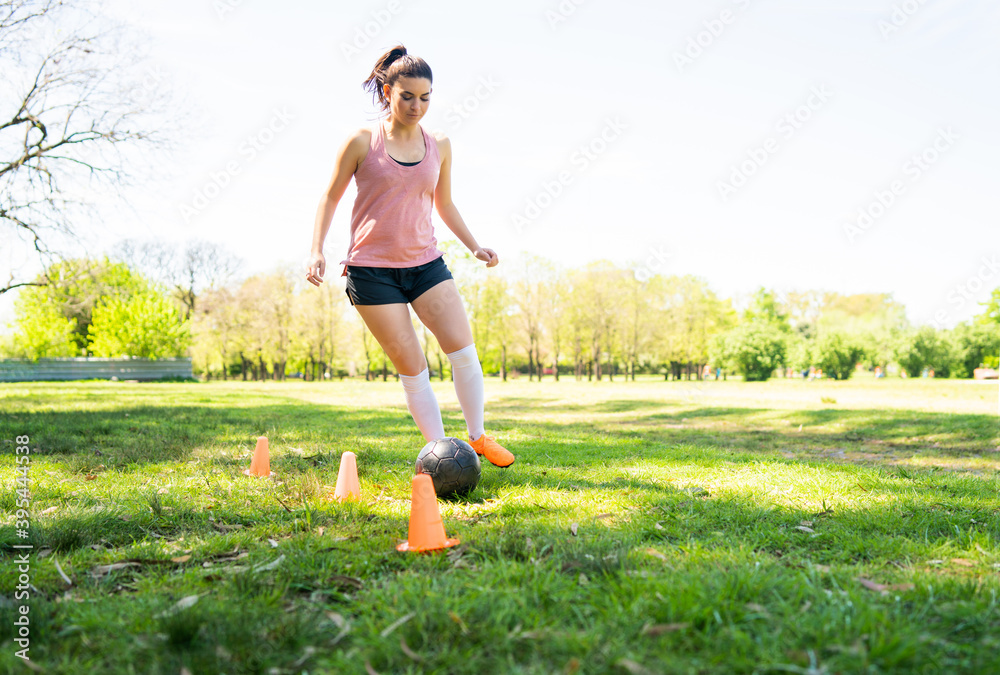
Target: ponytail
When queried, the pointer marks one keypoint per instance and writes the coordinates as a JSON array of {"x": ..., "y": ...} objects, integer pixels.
[{"x": 391, "y": 66}]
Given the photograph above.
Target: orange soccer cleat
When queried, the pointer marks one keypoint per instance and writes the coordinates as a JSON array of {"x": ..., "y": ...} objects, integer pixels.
[{"x": 493, "y": 451}]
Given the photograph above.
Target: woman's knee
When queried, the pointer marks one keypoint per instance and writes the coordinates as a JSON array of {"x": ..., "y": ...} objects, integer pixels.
[{"x": 405, "y": 353}]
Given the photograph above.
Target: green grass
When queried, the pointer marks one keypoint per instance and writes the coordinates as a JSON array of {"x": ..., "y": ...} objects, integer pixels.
[{"x": 661, "y": 527}]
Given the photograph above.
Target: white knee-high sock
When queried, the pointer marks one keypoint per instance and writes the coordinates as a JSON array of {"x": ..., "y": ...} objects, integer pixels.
[
  {"x": 469, "y": 388},
  {"x": 423, "y": 405}
]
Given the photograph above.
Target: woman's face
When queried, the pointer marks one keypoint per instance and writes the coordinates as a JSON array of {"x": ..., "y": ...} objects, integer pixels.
[{"x": 409, "y": 98}]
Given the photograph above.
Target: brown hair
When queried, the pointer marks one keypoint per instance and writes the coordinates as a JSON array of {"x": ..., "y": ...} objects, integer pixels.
[{"x": 391, "y": 66}]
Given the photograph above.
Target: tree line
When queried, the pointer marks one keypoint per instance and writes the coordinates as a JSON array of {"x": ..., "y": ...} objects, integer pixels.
[{"x": 534, "y": 319}]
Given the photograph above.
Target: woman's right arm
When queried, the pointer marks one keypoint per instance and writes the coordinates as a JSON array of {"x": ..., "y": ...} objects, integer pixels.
[{"x": 348, "y": 158}]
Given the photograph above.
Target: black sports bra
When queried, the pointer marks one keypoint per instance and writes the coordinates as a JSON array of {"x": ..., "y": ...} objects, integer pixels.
[{"x": 404, "y": 163}]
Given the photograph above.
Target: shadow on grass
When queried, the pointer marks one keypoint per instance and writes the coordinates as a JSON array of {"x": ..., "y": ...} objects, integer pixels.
[
  {"x": 308, "y": 439},
  {"x": 695, "y": 548},
  {"x": 946, "y": 434}
]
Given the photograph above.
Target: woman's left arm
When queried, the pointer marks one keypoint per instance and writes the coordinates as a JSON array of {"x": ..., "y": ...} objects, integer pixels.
[{"x": 449, "y": 213}]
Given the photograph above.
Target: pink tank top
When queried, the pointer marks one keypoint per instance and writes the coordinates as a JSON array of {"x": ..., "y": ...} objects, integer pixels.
[{"x": 391, "y": 222}]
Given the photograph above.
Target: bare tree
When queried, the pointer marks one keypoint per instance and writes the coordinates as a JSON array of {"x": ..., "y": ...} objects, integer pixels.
[
  {"x": 530, "y": 292},
  {"x": 81, "y": 118},
  {"x": 197, "y": 267}
]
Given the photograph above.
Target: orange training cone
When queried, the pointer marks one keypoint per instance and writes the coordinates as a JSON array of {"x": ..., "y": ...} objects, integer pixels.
[
  {"x": 260, "y": 465},
  {"x": 348, "y": 486},
  {"x": 426, "y": 528}
]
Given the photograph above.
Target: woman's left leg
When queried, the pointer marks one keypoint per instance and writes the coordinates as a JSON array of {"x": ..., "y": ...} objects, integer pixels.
[{"x": 440, "y": 308}]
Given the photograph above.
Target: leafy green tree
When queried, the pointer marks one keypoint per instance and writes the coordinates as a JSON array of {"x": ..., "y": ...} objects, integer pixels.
[
  {"x": 755, "y": 349},
  {"x": 803, "y": 309},
  {"x": 766, "y": 308},
  {"x": 145, "y": 325},
  {"x": 837, "y": 354},
  {"x": 878, "y": 346},
  {"x": 991, "y": 315},
  {"x": 556, "y": 304},
  {"x": 597, "y": 299},
  {"x": 42, "y": 330},
  {"x": 530, "y": 308},
  {"x": 861, "y": 313},
  {"x": 800, "y": 352},
  {"x": 69, "y": 289},
  {"x": 319, "y": 325},
  {"x": 688, "y": 314},
  {"x": 975, "y": 345},
  {"x": 923, "y": 348},
  {"x": 7, "y": 349},
  {"x": 873, "y": 320}
]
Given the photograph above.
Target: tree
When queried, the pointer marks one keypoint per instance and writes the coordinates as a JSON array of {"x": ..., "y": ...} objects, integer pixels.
[
  {"x": 315, "y": 332},
  {"x": 85, "y": 119},
  {"x": 688, "y": 314},
  {"x": 75, "y": 287},
  {"x": 490, "y": 314},
  {"x": 975, "y": 345},
  {"x": 556, "y": 296},
  {"x": 800, "y": 351},
  {"x": 487, "y": 303},
  {"x": 837, "y": 354},
  {"x": 874, "y": 319},
  {"x": 804, "y": 309},
  {"x": 923, "y": 348},
  {"x": 991, "y": 313},
  {"x": 43, "y": 330},
  {"x": 189, "y": 271},
  {"x": 766, "y": 308},
  {"x": 529, "y": 293},
  {"x": 635, "y": 326},
  {"x": 214, "y": 326},
  {"x": 596, "y": 300},
  {"x": 146, "y": 325},
  {"x": 264, "y": 317},
  {"x": 754, "y": 349},
  {"x": 580, "y": 327},
  {"x": 875, "y": 314}
]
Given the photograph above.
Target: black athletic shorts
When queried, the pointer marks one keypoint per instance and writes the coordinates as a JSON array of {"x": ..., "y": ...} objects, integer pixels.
[{"x": 387, "y": 285}]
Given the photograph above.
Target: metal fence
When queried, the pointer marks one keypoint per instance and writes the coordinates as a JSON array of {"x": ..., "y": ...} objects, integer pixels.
[{"x": 17, "y": 370}]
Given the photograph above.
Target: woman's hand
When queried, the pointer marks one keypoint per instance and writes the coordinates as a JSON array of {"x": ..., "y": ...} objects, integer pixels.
[
  {"x": 488, "y": 255},
  {"x": 317, "y": 267}
]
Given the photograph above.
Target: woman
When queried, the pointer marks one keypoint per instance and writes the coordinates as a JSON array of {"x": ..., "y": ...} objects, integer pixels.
[{"x": 393, "y": 259}]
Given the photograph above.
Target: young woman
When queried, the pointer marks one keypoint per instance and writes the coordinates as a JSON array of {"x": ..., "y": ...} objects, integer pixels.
[{"x": 393, "y": 259}]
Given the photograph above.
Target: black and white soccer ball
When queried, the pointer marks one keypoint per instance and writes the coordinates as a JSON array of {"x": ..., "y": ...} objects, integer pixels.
[{"x": 452, "y": 465}]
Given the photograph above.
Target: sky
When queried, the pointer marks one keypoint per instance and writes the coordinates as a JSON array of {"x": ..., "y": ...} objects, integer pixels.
[{"x": 845, "y": 146}]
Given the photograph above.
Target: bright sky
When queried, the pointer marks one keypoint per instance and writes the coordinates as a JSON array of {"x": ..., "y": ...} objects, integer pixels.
[{"x": 736, "y": 140}]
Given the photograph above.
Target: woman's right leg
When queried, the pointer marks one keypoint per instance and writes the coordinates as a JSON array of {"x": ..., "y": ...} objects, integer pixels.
[{"x": 391, "y": 326}]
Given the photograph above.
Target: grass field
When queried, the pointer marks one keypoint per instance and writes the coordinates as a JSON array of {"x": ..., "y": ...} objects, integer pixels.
[{"x": 648, "y": 527}]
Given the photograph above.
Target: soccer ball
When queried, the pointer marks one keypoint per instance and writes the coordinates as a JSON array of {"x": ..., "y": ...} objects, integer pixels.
[{"x": 452, "y": 465}]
